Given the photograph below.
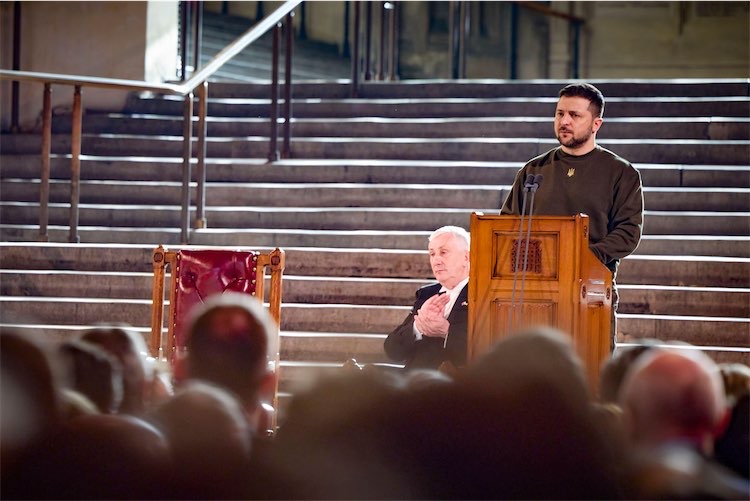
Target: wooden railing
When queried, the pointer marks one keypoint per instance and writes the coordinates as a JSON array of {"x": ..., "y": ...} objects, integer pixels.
[{"x": 197, "y": 82}]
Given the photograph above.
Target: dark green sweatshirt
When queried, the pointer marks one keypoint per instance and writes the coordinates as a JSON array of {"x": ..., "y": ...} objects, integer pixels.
[{"x": 600, "y": 184}]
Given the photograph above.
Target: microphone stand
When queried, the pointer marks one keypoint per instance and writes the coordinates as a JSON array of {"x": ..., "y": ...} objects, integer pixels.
[
  {"x": 534, "y": 186},
  {"x": 511, "y": 318}
]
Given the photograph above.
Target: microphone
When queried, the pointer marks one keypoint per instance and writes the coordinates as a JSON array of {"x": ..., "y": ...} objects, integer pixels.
[
  {"x": 533, "y": 184},
  {"x": 529, "y": 184}
]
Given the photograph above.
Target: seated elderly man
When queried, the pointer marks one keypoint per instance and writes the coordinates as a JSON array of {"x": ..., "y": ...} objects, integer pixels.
[{"x": 435, "y": 330}]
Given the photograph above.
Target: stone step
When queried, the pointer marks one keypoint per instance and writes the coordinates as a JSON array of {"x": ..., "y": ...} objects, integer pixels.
[
  {"x": 689, "y": 245},
  {"x": 421, "y": 107},
  {"x": 373, "y": 319},
  {"x": 650, "y": 299},
  {"x": 689, "y": 151},
  {"x": 492, "y": 88},
  {"x": 331, "y": 218},
  {"x": 699, "y": 331},
  {"x": 316, "y": 194},
  {"x": 346, "y": 171},
  {"x": 694, "y": 271},
  {"x": 356, "y": 319},
  {"x": 706, "y": 128},
  {"x": 220, "y": 194}
]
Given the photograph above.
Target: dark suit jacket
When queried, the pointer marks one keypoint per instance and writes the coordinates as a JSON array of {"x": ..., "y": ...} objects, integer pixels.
[{"x": 428, "y": 353}]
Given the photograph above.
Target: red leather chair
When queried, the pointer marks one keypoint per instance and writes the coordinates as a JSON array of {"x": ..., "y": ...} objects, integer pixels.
[{"x": 195, "y": 274}]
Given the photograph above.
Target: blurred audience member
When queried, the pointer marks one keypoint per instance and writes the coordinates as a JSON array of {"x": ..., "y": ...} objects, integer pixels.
[
  {"x": 76, "y": 404},
  {"x": 736, "y": 378},
  {"x": 331, "y": 444},
  {"x": 99, "y": 456},
  {"x": 674, "y": 407},
  {"x": 614, "y": 369},
  {"x": 732, "y": 448},
  {"x": 209, "y": 439},
  {"x": 93, "y": 372},
  {"x": 31, "y": 404},
  {"x": 130, "y": 349},
  {"x": 526, "y": 406},
  {"x": 230, "y": 343}
]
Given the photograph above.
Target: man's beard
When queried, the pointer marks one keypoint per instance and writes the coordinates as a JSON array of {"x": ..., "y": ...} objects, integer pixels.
[{"x": 575, "y": 141}]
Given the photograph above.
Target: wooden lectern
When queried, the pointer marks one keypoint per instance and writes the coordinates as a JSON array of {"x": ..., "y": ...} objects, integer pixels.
[{"x": 565, "y": 285}]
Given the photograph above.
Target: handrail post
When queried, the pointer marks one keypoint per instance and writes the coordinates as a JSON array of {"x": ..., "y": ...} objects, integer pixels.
[
  {"x": 513, "y": 62},
  {"x": 273, "y": 150},
  {"x": 44, "y": 177},
  {"x": 394, "y": 42},
  {"x": 15, "y": 84},
  {"x": 383, "y": 15},
  {"x": 368, "y": 41},
  {"x": 187, "y": 136},
  {"x": 183, "y": 40},
  {"x": 200, "y": 209},
  {"x": 286, "y": 149},
  {"x": 452, "y": 39},
  {"x": 75, "y": 164},
  {"x": 197, "y": 34},
  {"x": 345, "y": 48},
  {"x": 575, "y": 63},
  {"x": 355, "y": 50},
  {"x": 463, "y": 30}
]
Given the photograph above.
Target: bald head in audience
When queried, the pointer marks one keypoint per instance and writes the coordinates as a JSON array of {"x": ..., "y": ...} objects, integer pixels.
[{"x": 673, "y": 394}]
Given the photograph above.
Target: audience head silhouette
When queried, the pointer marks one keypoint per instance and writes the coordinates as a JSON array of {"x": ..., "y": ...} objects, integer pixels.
[
  {"x": 673, "y": 394},
  {"x": 30, "y": 392},
  {"x": 96, "y": 456},
  {"x": 94, "y": 373},
  {"x": 130, "y": 349},
  {"x": 230, "y": 343},
  {"x": 614, "y": 369},
  {"x": 209, "y": 439}
]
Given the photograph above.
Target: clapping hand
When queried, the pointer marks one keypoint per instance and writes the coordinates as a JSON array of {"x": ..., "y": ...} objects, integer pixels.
[{"x": 430, "y": 319}]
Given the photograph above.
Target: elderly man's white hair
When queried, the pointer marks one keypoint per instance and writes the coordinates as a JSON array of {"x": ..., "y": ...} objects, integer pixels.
[{"x": 456, "y": 231}]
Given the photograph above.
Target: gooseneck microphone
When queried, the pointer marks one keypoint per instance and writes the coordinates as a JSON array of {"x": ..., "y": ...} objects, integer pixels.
[{"x": 531, "y": 185}]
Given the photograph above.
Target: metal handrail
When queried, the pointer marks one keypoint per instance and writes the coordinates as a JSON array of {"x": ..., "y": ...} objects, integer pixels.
[{"x": 185, "y": 89}]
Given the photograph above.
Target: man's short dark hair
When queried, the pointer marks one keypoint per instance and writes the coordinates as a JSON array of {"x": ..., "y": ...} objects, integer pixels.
[
  {"x": 586, "y": 91},
  {"x": 229, "y": 341}
]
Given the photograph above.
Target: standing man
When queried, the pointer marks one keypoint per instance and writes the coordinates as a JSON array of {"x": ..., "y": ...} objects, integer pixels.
[
  {"x": 435, "y": 330},
  {"x": 580, "y": 176}
]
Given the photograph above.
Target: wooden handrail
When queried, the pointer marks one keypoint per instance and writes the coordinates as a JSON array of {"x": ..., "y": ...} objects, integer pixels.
[{"x": 186, "y": 89}]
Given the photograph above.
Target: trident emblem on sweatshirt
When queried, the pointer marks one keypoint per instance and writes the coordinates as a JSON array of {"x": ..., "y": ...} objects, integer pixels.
[{"x": 571, "y": 172}]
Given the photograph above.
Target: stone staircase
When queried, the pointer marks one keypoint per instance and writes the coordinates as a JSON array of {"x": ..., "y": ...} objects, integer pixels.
[
  {"x": 368, "y": 180},
  {"x": 311, "y": 60}
]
